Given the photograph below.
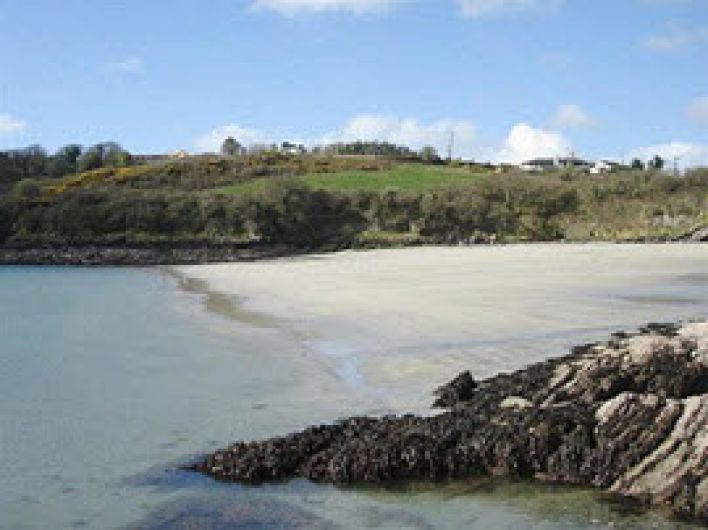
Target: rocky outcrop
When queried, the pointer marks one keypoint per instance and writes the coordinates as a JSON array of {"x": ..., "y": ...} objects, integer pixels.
[
  {"x": 459, "y": 389},
  {"x": 629, "y": 416},
  {"x": 141, "y": 255},
  {"x": 700, "y": 235},
  {"x": 697, "y": 235}
]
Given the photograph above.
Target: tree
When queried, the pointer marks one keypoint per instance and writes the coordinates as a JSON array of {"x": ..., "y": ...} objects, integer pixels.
[
  {"x": 657, "y": 163},
  {"x": 637, "y": 164},
  {"x": 106, "y": 154},
  {"x": 35, "y": 160},
  {"x": 64, "y": 161},
  {"x": 114, "y": 155},
  {"x": 69, "y": 154},
  {"x": 231, "y": 147},
  {"x": 92, "y": 158}
]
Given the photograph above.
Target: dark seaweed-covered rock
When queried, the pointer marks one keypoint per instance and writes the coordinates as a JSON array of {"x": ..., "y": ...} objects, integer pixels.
[
  {"x": 629, "y": 416},
  {"x": 459, "y": 389},
  {"x": 153, "y": 253}
]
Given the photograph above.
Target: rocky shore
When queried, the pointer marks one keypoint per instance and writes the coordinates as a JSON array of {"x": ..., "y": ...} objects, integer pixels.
[
  {"x": 141, "y": 255},
  {"x": 629, "y": 416},
  {"x": 166, "y": 252}
]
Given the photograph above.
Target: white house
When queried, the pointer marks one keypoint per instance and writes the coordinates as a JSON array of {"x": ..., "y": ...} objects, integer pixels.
[
  {"x": 603, "y": 166},
  {"x": 545, "y": 164},
  {"x": 574, "y": 162},
  {"x": 539, "y": 164},
  {"x": 289, "y": 148}
]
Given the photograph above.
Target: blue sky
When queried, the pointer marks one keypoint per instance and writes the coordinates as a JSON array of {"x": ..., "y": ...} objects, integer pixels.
[{"x": 512, "y": 78}]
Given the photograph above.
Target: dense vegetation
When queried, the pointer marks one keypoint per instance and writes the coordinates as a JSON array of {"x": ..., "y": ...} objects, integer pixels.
[
  {"x": 35, "y": 162},
  {"x": 387, "y": 149},
  {"x": 232, "y": 147},
  {"x": 312, "y": 200}
]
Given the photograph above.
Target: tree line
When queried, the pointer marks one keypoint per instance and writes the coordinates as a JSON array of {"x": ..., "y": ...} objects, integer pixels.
[
  {"x": 232, "y": 147},
  {"x": 35, "y": 162}
]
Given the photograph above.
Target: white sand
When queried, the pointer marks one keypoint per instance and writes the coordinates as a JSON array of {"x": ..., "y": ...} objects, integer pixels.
[{"x": 390, "y": 317}]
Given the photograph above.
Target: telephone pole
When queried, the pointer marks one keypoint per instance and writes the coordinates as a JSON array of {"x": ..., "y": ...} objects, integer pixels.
[{"x": 450, "y": 146}]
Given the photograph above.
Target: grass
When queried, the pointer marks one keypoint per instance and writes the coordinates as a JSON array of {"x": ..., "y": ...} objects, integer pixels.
[{"x": 403, "y": 177}]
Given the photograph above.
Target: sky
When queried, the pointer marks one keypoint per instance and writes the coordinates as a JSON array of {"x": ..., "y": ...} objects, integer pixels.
[{"x": 512, "y": 79}]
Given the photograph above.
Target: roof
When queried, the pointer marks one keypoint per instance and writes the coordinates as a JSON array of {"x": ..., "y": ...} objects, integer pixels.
[
  {"x": 540, "y": 162},
  {"x": 572, "y": 160}
]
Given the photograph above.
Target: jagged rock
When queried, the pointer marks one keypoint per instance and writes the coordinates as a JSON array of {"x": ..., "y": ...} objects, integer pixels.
[
  {"x": 700, "y": 235},
  {"x": 629, "y": 416},
  {"x": 147, "y": 254},
  {"x": 459, "y": 389}
]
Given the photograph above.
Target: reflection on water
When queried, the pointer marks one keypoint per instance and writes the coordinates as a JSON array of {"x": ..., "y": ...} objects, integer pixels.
[
  {"x": 480, "y": 504},
  {"x": 223, "y": 511},
  {"x": 112, "y": 379}
]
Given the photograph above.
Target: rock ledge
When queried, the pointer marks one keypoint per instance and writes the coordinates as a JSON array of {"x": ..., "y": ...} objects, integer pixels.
[{"x": 629, "y": 415}]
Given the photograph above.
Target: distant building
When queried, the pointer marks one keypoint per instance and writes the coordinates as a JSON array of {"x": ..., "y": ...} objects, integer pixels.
[
  {"x": 604, "y": 166},
  {"x": 546, "y": 164},
  {"x": 573, "y": 162},
  {"x": 180, "y": 153},
  {"x": 289, "y": 148},
  {"x": 539, "y": 164}
]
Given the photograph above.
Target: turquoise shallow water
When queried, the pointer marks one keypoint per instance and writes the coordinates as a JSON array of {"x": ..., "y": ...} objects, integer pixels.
[{"x": 111, "y": 378}]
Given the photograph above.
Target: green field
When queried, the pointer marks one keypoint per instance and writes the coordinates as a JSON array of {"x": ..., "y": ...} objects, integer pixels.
[{"x": 404, "y": 177}]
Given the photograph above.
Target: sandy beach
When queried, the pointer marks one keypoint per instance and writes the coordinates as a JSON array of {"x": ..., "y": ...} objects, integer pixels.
[{"x": 388, "y": 319}]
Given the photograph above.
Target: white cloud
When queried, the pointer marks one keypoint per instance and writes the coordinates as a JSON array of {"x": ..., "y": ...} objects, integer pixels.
[
  {"x": 480, "y": 8},
  {"x": 410, "y": 132},
  {"x": 294, "y": 7},
  {"x": 128, "y": 65},
  {"x": 697, "y": 111},
  {"x": 690, "y": 154},
  {"x": 522, "y": 143},
  {"x": 525, "y": 142},
  {"x": 211, "y": 141},
  {"x": 10, "y": 125},
  {"x": 572, "y": 117},
  {"x": 676, "y": 39},
  {"x": 365, "y": 127}
]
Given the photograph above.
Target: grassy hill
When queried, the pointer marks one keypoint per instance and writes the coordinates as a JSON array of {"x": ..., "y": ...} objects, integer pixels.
[
  {"x": 402, "y": 177},
  {"x": 309, "y": 201}
]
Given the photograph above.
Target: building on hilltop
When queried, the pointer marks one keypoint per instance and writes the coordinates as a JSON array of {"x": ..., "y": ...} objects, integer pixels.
[
  {"x": 604, "y": 166},
  {"x": 570, "y": 162},
  {"x": 289, "y": 148}
]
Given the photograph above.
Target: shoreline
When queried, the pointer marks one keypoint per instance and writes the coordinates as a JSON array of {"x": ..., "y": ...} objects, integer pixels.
[
  {"x": 161, "y": 254},
  {"x": 416, "y": 316},
  {"x": 218, "y": 303},
  {"x": 367, "y": 439}
]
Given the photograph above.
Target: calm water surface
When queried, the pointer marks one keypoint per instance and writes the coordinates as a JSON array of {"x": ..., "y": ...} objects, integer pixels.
[{"x": 112, "y": 378}]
